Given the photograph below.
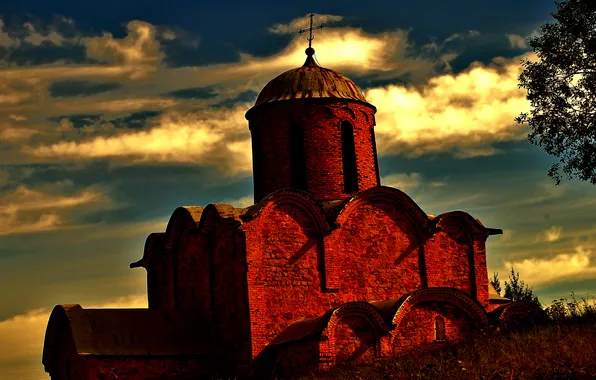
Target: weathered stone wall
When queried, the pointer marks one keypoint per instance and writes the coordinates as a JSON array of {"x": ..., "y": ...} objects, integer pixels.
[{"x": 321, "y": 120}]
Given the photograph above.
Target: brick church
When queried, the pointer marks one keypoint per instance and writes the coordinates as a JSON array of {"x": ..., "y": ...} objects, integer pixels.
[{"x": 327, "y": 267}]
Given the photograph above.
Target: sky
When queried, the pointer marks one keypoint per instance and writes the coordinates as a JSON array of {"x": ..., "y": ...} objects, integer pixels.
[{"x": 112, "y": 114}]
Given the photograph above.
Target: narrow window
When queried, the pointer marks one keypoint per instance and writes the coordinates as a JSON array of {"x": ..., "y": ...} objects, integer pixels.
[
  {"x": 349, "y": 158},
  {"x": 374, "y": 145},
  {"x": 257, "y": 162},
  {"x": 297, "y": 157},
  {"x": 439, "y": 328}
]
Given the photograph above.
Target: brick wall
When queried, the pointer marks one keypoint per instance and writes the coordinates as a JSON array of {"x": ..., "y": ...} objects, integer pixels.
[
  {"x": 449, "y": 258},
  {"x": 283, "y": 272}
]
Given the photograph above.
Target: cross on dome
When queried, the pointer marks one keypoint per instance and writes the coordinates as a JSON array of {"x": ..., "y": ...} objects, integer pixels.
[{"x": 310, "y": 51}]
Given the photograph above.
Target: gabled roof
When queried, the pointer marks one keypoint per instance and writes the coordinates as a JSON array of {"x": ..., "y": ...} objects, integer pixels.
[{"x": 127, "y": 332}]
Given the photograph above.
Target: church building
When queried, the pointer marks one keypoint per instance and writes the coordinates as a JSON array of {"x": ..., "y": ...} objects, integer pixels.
[{"x": 327, "y": 267}]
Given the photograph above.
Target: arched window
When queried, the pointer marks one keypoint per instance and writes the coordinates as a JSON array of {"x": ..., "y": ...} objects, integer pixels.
[
  {"x": 374, "y": 145},
  {"x": 297, "y": 157},
  {"x": 439, "y": 328},
  {"x": 257, "y": 161},
  {"x": 348, "y": 151}
]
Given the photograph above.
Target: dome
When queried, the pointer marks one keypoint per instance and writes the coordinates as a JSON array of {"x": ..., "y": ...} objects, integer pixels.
[{"x": 308, "y": 82}]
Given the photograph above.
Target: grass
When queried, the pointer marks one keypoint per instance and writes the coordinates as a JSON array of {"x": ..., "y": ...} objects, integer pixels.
[{"x": 564, "y": 349}]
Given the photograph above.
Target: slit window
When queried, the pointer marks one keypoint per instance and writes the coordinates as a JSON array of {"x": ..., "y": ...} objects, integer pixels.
[
  {"x": 349, "y": 158},
  {"x": 297, "y": 158},
  {"x": 257, "y": 163},
  {"x": 439, "y": 328}
]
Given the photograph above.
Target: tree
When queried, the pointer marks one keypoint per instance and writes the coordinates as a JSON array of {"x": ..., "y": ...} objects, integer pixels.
[
  {"x": 561, "y": 89},
  {"x": 495, "y": 282},
  {"x": 517, "y": 290}
]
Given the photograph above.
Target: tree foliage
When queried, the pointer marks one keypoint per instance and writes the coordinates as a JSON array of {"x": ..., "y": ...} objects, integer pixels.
[
  {"x": 517, "y": 290},
  {"x": 561, "y": 89},
  {"x": 496, "y": 283}
]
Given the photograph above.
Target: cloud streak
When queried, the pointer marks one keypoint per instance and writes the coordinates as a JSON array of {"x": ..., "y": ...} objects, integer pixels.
[{"x": 26, "y": 210}]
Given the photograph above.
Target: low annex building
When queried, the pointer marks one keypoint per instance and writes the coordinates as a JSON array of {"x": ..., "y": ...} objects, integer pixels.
[{"x": 327, "y": 267}]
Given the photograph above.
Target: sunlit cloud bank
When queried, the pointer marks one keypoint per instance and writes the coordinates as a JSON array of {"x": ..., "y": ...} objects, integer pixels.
[
  {"x": 464, "y": 113},
  {"x": 539, "y": 271},
  {"x": 21, "y": 337}
]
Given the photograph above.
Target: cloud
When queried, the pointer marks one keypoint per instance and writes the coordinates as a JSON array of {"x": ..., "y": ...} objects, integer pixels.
[
  {"x": 21, "y": 337},
  {"x": 464, "y": 112},
  {"x": 402, "y": 181},
  {"x": 241, "y": 202},
  {"x": 26, "y": 210},
  {"x": 303, "y": 22},
  {"x": 35, "y": 38},
  {"x": 139, "y": 49},
  {"x": 538, "y": 271},
  {"x": 516, "y": 41},
  {"x": 552, "y": 234},
  {"x": 217, "y": 137},
  {"x": 5, "y": 39}
]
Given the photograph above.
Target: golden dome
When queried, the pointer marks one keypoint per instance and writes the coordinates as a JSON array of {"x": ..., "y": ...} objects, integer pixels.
[{"x": 308, "y": 82}]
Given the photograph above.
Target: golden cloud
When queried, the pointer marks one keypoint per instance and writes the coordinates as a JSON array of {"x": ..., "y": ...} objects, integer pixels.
[
  {"x": 216, "y": 137},
  {"x": 139, "y": 49},
  {"x": 516, "y": 41},
  {"x": 464, "y": 112},
  {"x": 552, "y": 234},
  {"x": 538, "y": 271}
]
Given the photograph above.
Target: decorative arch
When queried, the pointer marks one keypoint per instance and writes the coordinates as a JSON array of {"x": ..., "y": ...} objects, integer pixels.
[
  {"x": 470, "y": 306},
  {"x": 529, "y": 311},
  {"x": 365, "y": 115},
  {"x": 363, "y": 311},
  {"x": 390, "y": 195},
  {"x": 349, "y": 111},
  {"x": 296, "y": 198}
]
